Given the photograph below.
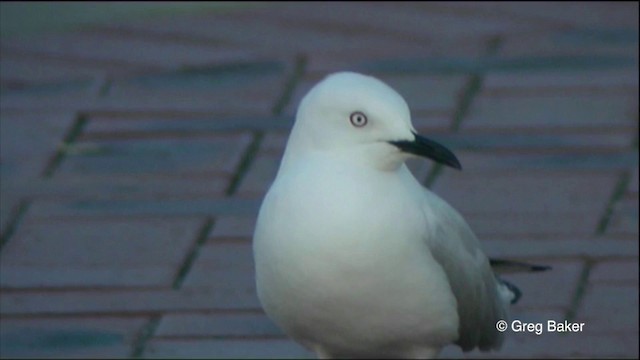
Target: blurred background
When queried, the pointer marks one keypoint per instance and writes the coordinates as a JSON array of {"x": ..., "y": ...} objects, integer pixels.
[{"x": 138, "y": 139}]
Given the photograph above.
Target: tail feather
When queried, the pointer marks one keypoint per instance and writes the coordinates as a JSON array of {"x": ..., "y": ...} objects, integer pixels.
[{"x": 503, "y": 266}]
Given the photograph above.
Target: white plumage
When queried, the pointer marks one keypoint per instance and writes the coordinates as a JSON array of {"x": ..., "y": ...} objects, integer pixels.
[{"x": 354, "y": 258}]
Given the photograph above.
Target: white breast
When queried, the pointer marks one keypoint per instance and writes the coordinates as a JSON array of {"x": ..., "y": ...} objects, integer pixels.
[{"x": 346, "y": 257}]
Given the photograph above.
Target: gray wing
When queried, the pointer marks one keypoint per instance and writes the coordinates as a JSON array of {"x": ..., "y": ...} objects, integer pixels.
[{"x": 457, "y": 250}]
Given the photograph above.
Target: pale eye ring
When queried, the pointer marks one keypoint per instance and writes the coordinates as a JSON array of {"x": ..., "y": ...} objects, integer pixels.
[{"x": 358, "y": 119}]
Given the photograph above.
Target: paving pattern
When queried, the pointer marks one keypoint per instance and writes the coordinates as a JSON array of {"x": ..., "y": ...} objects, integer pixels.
[{"x": 134, "y": 157}]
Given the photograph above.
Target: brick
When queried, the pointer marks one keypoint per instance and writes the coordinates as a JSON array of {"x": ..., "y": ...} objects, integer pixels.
[
  {"x": 122, "y": 300},
  {"x": 538, "y": 51},
  {"x": 208, "y": 155},
  {"x": 224, "y": 266},
  {"x": 608, "y": 272},
  {"x": 109, "y": 187},
  {"x": 550, "y": 52},
  {"x": 624, "y": 220},
  {"x": 29, "y": 139},
  {"x": 52, "y": 254},
  {"x": 425, "y": 64},
  {"x": 444, "y": 56},
  {"x": 233, "y": 228},
  {"x": 270, "y": 24},
  {"x": 495, "y": 161},
  {"x": 593, "y": 111},
  {"x": 203, "y": 29},
  {"x": 546, "y": 192},
  {"x": 609, "y": 308},
  {"x": 217, "y": 325},
  {"x": 543, "y": 142},
  {"x": 614, "y": 36},
  {"x": 593, "y": 14},
  {"x": 44, "y": 131},
  {"x": 560, "y": 60},
  {"x": 555, "y": 345},
  {"x": 544, "y": 82},
  {"x": 301, "y": 88},
  {"x": 47, "y": 100},
  {"x": 146, "y": 125},
  {"x": 89, "y": 208},
  {"x": 539, "y": 225},
  {"x": 201, "y": 95},
  {"x": 77, "y": 338},
  {"x": 9, "y": 207},
  {"x": 25, "y": 71},
  {"x": 260, "y": 176},
  {"x": 428, "y": 123},
  {"x": 558, "y": 247},
  {"x": 226, "y": 349},
  {"x": 249, "y": 88},
  {"x": 346, "y": 20},
  {"x": 125, "y": 49},
  {"x": 427, "y": 93},
  {"x": 627, "y": 206},
  {"x": 260, "y": 33},
  {"x": 633, "y": 184},
  {"x": 403, "y": 19}
]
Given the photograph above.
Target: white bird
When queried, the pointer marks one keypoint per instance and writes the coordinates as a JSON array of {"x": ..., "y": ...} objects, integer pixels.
[{"x": 354, "y": 257}]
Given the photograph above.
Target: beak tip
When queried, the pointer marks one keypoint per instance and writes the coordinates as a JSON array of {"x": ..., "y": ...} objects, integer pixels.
[
  {"x": 456, "y": 165},
  {"x": 422, "y": 146}
]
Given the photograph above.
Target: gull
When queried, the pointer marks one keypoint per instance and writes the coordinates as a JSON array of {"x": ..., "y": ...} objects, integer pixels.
[{"x": 354, "y": 257}]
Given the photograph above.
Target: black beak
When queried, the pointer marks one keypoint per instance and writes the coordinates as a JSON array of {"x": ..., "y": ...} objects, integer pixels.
[{"x": 422, "y": 146}]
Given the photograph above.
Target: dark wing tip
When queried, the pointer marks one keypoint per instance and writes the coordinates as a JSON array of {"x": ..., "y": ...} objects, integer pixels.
[
  {"x": 456, "y": 164},
  {"x": 536, "y": 268},
  {"x": 517, "y": 293},
  {"x": 504, "y": 266}
]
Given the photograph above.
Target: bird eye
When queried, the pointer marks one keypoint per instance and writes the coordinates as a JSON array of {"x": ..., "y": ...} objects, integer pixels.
[{"x": 358, "y": 119}]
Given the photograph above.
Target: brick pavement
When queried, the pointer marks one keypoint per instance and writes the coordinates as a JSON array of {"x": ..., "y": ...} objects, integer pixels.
[{"x": 134, "y": 157}]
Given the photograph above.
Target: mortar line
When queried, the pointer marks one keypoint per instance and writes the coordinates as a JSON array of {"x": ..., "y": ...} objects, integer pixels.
[
  {"x": 12, "y": 225},
  {"x": 300, "y": 66},
  {"x": 101, "y": 88},
  {"x": 282, "y": 101},
  {"x": 474, "y": 85},
  {"x": 192, "y": 255},
  {"x": 470, "y": 92},
  {"x": 145, "y": 334},
  {"x": 581, "y": 288},
  {"x": 104, "y": 87},
  {"x": 71, "y": 136},
  {"x": 617, "y": 194},
  {"x": 472, "y": 89},
  {"x": 245, "y": 162},
  {"x": 150, "y": 328}
]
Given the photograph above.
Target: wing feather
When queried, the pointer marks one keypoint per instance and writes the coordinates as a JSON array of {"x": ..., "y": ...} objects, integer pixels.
[{"x": 471, "y": 278}]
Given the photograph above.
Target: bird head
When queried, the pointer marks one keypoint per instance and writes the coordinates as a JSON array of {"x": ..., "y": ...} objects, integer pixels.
[{"x": 359, "y": 117}]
